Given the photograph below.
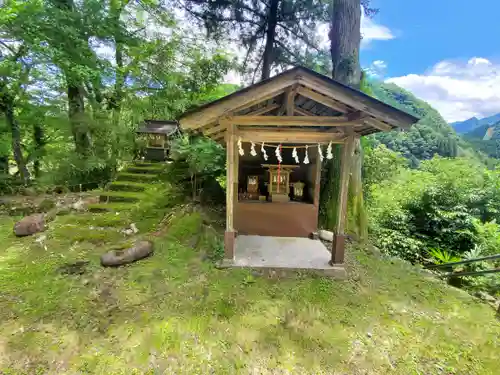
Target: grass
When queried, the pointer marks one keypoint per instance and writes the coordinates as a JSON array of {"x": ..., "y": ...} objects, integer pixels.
[{"x": 175, "y": 313}]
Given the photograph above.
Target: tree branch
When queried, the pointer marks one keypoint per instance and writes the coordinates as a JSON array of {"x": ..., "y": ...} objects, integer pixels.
[
  {"x": 297, "y": 58},
  {"x": 302, "y": 38}
]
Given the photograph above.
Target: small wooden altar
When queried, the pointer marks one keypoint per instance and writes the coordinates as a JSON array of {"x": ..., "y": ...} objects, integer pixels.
[{"x": 279, "y": 181}]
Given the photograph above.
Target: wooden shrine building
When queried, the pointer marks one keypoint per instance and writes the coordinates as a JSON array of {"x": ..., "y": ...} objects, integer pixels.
[
  {"x": 156, "y": 134},
  {"x": 276, "y": 133}
]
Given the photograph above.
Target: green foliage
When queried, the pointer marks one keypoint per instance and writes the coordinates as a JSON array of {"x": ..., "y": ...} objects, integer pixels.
[
  {"x": 399, "y": 244},
  {"x": 329, "y": 190},
  {"x": 86, "y": 74},
  {"x": 431, "y": 135},
  {"x": 487, "y": 237},
  {"x": 450, "y": 204},
  {"x": 380, "y": 164},
  {"x": 202, "y": 159},
  {"x": 201, "y": 154},
  {"x": 489, "y": 283},
  {"x": 442, "y": 256}
]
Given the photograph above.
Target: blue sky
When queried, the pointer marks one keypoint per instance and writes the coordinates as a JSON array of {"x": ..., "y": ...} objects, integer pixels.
[{"x": 446, "y": 52}]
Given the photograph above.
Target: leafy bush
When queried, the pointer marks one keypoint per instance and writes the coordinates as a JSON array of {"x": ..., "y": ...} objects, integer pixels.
[
  {"x": 198, "y": 161},
  {"x": 396, "y": 243},
  {"x": 446, "y": 204},
  {"x": 380, "y": 164},
  {"x": 442, "y": 256},
  {"x": 487, "y": 237},
  {"x": 77, "y": 173}
]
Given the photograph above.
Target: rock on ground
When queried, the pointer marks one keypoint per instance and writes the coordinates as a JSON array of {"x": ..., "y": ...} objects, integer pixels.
[
  {"x": 114, "y": 258},
  {"x": 29, "y": 225},
  {"x": 326, "y": 235}
]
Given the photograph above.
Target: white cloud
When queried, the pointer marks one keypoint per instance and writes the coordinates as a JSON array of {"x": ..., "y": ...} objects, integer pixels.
[
  {"x": 458, "y": 89},
  {"x": 370, "y": 30},
  {"x": 376, "y": 69}
]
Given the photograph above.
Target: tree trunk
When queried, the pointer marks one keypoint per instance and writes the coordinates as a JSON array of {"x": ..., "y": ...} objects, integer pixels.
[
  {"x": 120, "y": 82},
  {"x": 75, "y": 90},
  {"x": 16, "y": 142},
  {"x": 345, "y": 38},
  {"x": 76, "y": 113},
  {"x": 268, "y": 58},
  {"x": 39, "y": 140}
]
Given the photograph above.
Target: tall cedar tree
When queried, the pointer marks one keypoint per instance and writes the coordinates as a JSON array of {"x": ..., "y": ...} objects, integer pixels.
[
  {"x": 274, "y": 33},
  {"x": 345, "y": 39}
]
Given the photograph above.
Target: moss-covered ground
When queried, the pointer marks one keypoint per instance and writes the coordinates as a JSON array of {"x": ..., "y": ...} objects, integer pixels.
[{"x": 176, "y": 313}]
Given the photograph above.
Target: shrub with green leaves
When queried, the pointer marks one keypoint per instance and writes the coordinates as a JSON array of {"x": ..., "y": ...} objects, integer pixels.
[
  {"x": 446, "y": 204},
  {"x": 199, "y": 161}
]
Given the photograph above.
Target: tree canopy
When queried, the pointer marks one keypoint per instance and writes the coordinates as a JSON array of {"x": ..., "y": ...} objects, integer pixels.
[{"x": 90, "y": 72}]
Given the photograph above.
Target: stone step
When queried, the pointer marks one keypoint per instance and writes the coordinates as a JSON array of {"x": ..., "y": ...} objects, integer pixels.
[
  {"x": 101, "y": 219},
  {"x": 124, "y": 176},
  {"x": 128, "y": 186},
  {"x": 119, "y": 196},
  {"x": 148, "y": 164},
  {"x": 110, "y": 207},
  {"x": 144, "y": 169}
]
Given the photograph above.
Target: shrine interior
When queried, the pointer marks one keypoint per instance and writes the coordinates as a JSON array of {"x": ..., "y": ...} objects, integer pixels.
[{"x": 258, "y": 178}]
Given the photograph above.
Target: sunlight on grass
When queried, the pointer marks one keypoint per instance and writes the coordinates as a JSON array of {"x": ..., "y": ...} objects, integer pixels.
[{"x": 176, "y": 313}]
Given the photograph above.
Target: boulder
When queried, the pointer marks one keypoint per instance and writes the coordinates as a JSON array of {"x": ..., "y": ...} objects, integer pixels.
[
  {"x": 114, "y": 258},
  {"x": 29, "y": 225},
  {"x": 326, "y": 235}
]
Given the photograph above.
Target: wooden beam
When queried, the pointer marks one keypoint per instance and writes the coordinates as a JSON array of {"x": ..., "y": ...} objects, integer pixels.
[
  {"x": 382, "y": 126},
  {"x": 292, "y": 120},
  {"x": 290, "y": 101},
  {"x": 345, "y": 171},
  {"x": 327, "y": 101},
  {"x": 218, "y": 136},
  {"x": 216, "y": 129},
  {"x": 357, "y": 116},
  {"x": 289, "y": 136},
  {"x": 303, "y": 112},
  {"x": 262, "y": 110},
  {"x": 257, "y": 101},
  {"x": 237, "y": 101},
  {"x": 283, "y": 129}
]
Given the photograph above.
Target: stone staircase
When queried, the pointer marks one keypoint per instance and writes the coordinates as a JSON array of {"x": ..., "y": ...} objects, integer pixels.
[{"x": 129, "y": 187}]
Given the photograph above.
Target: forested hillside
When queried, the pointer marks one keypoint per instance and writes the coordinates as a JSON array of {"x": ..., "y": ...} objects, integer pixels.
[
  {"x": 431, "y": 135},
  {"x": 490, "y": 147}
]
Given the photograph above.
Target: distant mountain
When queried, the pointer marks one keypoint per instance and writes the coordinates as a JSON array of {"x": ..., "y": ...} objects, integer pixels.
[
  {"x": 490, "y": 147},
  {"x": 431, "y": 135},
  {"x": 467, "y": 126},
  {"x": 480, "y": 131}
]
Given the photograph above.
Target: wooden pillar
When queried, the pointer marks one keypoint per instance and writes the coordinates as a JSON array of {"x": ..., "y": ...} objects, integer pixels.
[
  {"x": 231, "y": 191},
  {"x": 338, "y": 244}
]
